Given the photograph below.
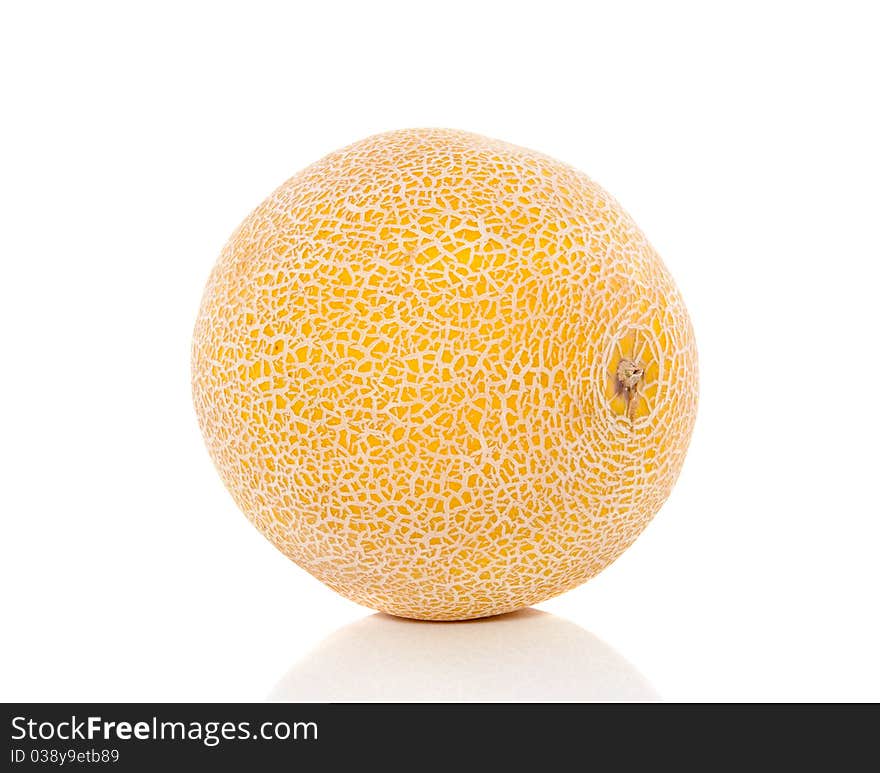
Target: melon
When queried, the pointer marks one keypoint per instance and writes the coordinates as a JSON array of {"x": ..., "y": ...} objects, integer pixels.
[{"x": 446, "y": 375}]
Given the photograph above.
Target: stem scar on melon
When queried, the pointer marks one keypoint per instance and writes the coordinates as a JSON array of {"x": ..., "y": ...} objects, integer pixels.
[
  {"x": 630, "y": 373},
  {"x": 633, "y": 375}
]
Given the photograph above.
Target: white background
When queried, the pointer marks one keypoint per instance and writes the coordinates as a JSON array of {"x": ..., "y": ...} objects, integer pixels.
[{"x": 743, "y": 138}]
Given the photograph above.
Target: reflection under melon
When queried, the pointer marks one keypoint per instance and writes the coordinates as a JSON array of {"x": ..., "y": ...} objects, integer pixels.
[{"x": 522, "y": 656}]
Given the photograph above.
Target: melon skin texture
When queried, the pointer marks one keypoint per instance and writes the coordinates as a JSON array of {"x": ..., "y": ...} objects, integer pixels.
[{"x": 446, "y": 375}]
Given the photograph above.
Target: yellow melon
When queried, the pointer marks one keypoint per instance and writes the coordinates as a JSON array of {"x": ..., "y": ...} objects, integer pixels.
[{"x": 446, "y": 375}]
